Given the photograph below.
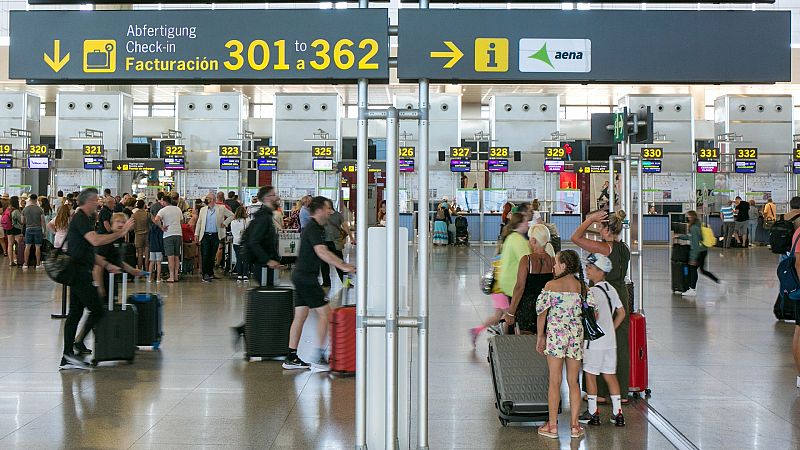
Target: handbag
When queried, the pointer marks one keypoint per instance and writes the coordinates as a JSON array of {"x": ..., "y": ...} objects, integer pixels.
[
  {"x": 59, "y": 267},
  {"x": 591, "y": 329}
]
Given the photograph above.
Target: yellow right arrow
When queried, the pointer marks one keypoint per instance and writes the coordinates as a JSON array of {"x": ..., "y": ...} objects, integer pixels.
[
  {"x": 56, "y": 62},
  {"x": 454, "y": 54}
]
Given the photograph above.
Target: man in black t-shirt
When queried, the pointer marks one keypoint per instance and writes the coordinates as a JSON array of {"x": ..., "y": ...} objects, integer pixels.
[
  {"x": 742, "y": 214},
  {"x": 104, "y": 218},
  {"x": 81, "y": 241},
  {"x": 308, "y": 293}
]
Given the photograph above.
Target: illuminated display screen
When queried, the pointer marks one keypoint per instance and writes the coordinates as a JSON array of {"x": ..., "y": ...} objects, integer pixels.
[
  {"x": 94, "y": 162},
  {"x": 497, "y": 165},
  {"x": 267, "y": 163},
  {"x": 553, "y": 165},
  {"x": 459, "y": 165},
  {"x": 38, "y": 162},
  {"x": 745, "y": 167},
  {"x": 406, "y": 165},
  {"x": 178, "y": 163},
  {"x": 229, "y": 164},
  {"x": 707, "y": 166},
  {"x": 651, "y": 166}
]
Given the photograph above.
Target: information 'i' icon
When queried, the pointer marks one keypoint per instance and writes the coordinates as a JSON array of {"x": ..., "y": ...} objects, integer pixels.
[{"x": 491, "y": 55}]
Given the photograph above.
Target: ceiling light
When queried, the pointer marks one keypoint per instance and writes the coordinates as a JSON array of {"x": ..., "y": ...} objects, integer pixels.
[
  {"x": 567, "y": 6},
  {"x": 325, "y": 5},
  {"x": 86, "y": 7},
  {"x": 341, "y": 5}
]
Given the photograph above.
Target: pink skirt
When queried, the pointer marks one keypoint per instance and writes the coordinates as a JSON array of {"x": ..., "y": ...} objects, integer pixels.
[{"x": 501, "y": 301}]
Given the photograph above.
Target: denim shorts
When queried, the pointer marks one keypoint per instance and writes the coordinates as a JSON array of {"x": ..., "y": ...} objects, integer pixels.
[{"x": 33, "y": 236}]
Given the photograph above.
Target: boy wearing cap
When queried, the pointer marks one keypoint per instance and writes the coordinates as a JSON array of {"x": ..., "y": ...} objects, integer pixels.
[{"x": 600, "y": 356}]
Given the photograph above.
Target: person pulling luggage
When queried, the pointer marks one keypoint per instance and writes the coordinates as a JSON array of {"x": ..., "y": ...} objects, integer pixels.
[
  {"x": 308, "y": 293},
  {"x": 259, "y": 243}
]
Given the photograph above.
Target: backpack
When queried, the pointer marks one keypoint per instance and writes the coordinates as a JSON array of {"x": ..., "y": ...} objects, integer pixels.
[
  {"x": 6, "y": 220},
  {"x": 709, "y": 240},
  {"x": 787, "y": 276},
  {"x": 780, "y": 236}
]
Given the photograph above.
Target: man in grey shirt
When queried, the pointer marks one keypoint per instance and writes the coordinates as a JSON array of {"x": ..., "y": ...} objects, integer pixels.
[
  {"x": 33, "y": 219},
  {"x": 334, "y": 240}
]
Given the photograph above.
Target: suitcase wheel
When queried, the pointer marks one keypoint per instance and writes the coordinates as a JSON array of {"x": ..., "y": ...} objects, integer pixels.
[
  {"x": 635, "y": 395},
  {"x": 93, "y": 363},
  {"x": 647, "y": 392},
  {"x": 503, "y": 422},
  {"x": 156, "y": 345}
]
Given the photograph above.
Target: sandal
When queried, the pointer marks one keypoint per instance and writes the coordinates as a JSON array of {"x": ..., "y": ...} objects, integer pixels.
[
  {"x": 544, "y": 430},
  {"x": 576, "y": 434}
]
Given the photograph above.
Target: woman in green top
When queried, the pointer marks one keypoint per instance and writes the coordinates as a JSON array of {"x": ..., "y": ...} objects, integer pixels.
[
  {"x": 697, "y": 254},
  {"x": 620, "y": 255}
]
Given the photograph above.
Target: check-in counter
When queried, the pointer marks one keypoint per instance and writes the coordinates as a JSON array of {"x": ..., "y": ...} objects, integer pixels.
[
  {"x": 566, "y": 224},
  {"x": 657, "y": 229},
  {"x": 408, "y": 221},
  {"x": 715, "y": 222}
]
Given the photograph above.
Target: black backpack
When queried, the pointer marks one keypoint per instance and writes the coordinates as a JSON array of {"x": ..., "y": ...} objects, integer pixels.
[{"x": 780, "y": 236}]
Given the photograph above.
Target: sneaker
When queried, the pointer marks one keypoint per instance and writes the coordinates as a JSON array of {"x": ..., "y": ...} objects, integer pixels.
[
  {"x": 24, "y": 267},
  {"x": 321, "y": 365},
  {"x": 81, "y": 349},
  {"x": 207, "y": 279},
  {"x": 798, "y": 381},
  {"x": 589, "y": 418},
  {"x": 690, "y": 293},
  {"x": 618, "y": 420},
  {"x": 73, "y": 362},
  {"x": 295, "y": 363},
  {"x": 473, "y": 334}
]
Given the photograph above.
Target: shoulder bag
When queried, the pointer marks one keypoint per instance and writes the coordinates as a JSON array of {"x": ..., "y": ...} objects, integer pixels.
[{"x": 591, "y": 329}]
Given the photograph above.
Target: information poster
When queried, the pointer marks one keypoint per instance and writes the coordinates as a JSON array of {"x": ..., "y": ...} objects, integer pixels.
[
  {"x": 568, "y": 201},
  {"x": 468, "y": 200},
  {"x": 494, "y": 199}
]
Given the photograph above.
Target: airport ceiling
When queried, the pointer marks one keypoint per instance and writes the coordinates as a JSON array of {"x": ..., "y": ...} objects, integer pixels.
[{"x": 601, "y": 94}]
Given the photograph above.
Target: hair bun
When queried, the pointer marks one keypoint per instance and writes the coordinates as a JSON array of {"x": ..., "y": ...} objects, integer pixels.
[{"x": 620, "y": 214}]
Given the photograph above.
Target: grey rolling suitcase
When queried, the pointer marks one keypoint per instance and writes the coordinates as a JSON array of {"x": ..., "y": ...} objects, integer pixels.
[{"x": 520, "y": 379}]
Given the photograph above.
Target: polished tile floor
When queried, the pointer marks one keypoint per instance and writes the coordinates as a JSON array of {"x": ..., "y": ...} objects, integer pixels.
[{"x": 720, "y": 370}]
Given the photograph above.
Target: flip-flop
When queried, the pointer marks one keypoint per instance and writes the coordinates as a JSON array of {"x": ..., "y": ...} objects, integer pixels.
[
  {"x": 575, "y": 435},
  {"x": 544, "y": 430}
]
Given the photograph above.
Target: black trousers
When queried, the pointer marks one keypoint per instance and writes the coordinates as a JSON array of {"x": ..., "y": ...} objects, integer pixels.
[
  {"x": 82, "y": 294},
  {"x": 208, "y": 252},
  {"x": 326, "y": 268},
  {"x": 701, "y": 265}
]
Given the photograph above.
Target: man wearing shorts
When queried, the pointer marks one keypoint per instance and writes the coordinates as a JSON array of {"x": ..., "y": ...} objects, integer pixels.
[
  {"x": 600, "y": 355},
  {"x": 308, "y": 294},
  {"x": 33, "y": 219},
  {"x": 742, "y": 213},
  {"x": 169, "y": 218}
]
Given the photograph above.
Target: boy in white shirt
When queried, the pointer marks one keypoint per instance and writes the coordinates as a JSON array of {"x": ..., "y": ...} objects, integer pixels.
[{"x": 600, "y": 356}]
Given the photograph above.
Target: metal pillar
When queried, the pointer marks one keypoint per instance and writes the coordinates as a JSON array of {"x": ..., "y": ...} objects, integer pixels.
[
  {"x": 639, "y": 241},
  {"x": 361, "y": 263},
  {"x": 423, "y": 249},
  {"x": 392, "y": 273}
]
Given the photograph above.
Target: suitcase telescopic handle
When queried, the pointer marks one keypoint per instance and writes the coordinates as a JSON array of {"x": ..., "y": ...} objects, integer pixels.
[
  {"x": 263, "y": 275},
  {"x": 110, "y": 291}
]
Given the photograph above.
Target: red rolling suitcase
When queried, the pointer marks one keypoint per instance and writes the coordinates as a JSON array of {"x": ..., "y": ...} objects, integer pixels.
[
  {"x": 343, "y": 335},
  {"x": 637, "y": 340}
]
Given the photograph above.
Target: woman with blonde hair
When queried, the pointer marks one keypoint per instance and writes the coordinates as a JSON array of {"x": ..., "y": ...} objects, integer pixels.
[
  {"x": 611, "y": 226},
  {"x": 59, "y": 226},
  {"x": 534, "y": 271}
]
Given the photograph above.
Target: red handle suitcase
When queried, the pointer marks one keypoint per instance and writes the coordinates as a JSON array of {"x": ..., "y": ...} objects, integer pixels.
[
  {"x": 343, "y": 335},
  {"x": 637, "y": 340}
]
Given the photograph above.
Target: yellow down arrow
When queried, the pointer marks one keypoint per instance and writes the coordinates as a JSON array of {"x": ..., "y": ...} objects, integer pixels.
[
  {"x": 56, "y": 62},
  {"x": 454, "y": 54}
]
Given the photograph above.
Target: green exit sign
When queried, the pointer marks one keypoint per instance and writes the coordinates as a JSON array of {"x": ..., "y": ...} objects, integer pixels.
[{"x": 619, "y": 127}]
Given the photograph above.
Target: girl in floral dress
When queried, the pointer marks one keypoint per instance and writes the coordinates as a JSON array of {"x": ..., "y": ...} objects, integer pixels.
[{"x": 560, "y": 337}]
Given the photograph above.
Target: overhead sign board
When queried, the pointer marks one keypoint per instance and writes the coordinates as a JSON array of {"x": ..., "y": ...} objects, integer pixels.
[
  {"x": 406, "y": 152},
  {"x": 708, "y": 154},
  {"x": 38, "y": 162},
  {"x": 484, "y": 45},
  {"x": 745, "y": 166},
  {"x": 748, "y": 153},
  {"x": 497, "y": 165},
  {"x": 653, "y": 152},
  {"x": 460, "y": 165},
  {"x": 651, "y": 166},
  {"x": 707, "y": 166},
  {"x": 229, "y": 163},
  {"x": 551, "y": 165},
  {"x": 6, "y": 162},
  {"x": 406, "y": 165},
  {"x": 5, "y": 149},
  {"x": 175, "y": 163},
  {"x": 795, "y": 166},
  {"x": 93, "y": 149},
  {"x": 94, "y": 162},
  {"x": 230, "y": 150},
  {"x": 126, "y": 165},
  {"x": 200, "y": 46},
  {"x": 270, "y": 164},
  {"x": 267, "y": 151},
  {"x": 37, "y": 149},
  {"x": 174, "y": 150}
]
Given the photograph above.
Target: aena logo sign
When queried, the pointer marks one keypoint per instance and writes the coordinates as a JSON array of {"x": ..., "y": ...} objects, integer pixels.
[{"x": 555, "y": 55}]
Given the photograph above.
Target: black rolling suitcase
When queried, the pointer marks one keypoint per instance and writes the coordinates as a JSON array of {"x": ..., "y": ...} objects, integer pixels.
[
  {"x": 268, "y": 317},
  {"x": 785, "y": 309},
  {"x": 520, "y": 378},
  {"x": 150, "y": 327},
  {"x": 679, "y": 266},
  {"x": 115, "y": 333}
]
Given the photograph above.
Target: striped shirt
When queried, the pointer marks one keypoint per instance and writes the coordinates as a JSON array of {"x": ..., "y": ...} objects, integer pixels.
[{"x": 727, "y": 213}]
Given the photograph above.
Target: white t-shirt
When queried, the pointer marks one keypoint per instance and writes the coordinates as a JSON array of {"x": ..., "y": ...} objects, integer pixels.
[
  {"x": 171, "y": 218},
  {"x": 237, "y": 230},
  {"x": 605, "y": 316}
]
